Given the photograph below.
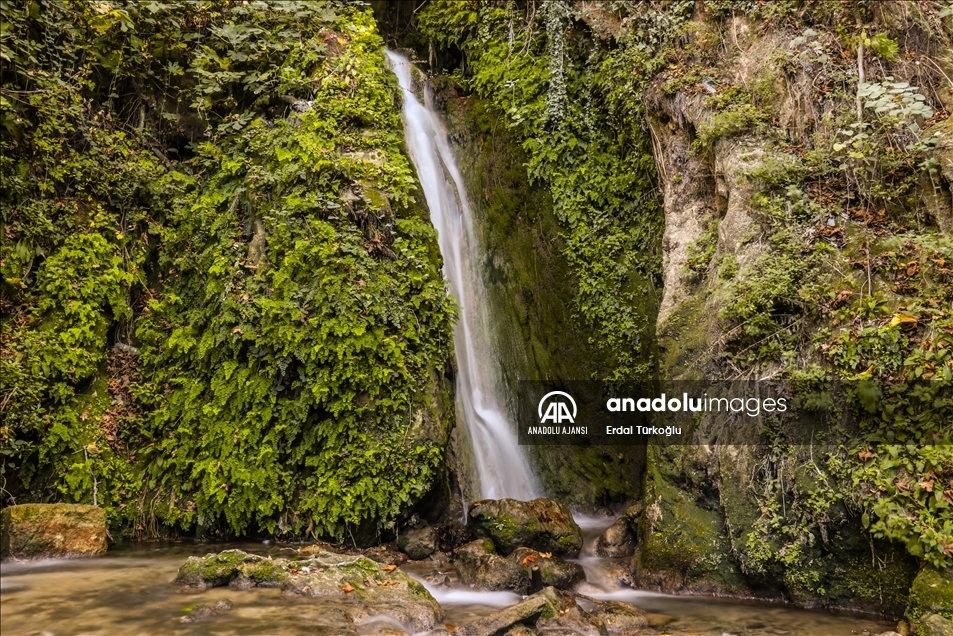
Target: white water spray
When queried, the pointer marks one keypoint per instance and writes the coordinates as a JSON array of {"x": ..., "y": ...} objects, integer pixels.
[{"x": 501, "y": 466}]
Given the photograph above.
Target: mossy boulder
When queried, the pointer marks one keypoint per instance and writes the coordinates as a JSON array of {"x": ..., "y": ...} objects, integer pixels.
[
  {"x": 545, "y": 570},
  {"x": 931, "y": 592},
  {"x": 32, "y": 531},
  {"x": 481, "y": 567},
  {"x": 367, "y": 588},
  {"x": 542, "y": 524}
]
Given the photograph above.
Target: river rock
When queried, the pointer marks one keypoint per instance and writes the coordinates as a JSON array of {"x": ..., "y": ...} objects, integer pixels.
[
  {"x": 207, "y": 611},
  {"x": 545, "y": 570},
  {"x": 617, "y": 541},
  {"x": 931, "y": 592},
  {"x": 547, "y": 602},
  {"x": 480, "y": 566},
  {"x": 32, "y": 531},
  {"x": 418, "y": 543},
  {"x": 572, "y": 621},
  {"x": 370, "y": 589},
  {"x": 542, "y": 524},
  {"x": 621, "y": 618},
  {"x": 935, "y": 625}
]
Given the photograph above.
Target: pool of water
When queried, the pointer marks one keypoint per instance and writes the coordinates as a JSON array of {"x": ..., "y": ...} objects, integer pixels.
[{"x": 129, "y": 592}]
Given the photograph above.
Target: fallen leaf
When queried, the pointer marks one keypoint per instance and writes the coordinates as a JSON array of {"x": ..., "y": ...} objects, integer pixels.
[
  {"x": 905, "y": 320},
  {"x": 347, "y": 587},
  {"x": 546, "y": 555},
  {"x": 389, "y": 568},
  {"x": 529, "y": 558},
  {"x": 865, "y": 455},
  {"x": 927, "y": 485}
]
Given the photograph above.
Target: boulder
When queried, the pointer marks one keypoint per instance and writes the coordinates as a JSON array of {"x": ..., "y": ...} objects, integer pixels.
[
  {"x": 542, "y": 524},
  {"x": 545, "y": 570},
  {"x": 621, "y": 618},
  {"x": 32, "y": 531},
  {"x": 617, "y": 541},
  {"x": 935, "y": 625},
  {"x": 931, "y": 593},
  {"x": 572, "y": 621},
  {"x": 374, "y": 590},
  {"x": 418, "y": 543},
  {"x": 545, "y": 603},
  {"x": 480, "y": 566}
]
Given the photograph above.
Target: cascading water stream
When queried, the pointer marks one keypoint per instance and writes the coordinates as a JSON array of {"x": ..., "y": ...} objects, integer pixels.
[{"x": 502, "y": 469}]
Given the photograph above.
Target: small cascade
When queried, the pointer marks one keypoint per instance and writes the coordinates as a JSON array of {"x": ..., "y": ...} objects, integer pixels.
[{"x": 502, "y": 469}]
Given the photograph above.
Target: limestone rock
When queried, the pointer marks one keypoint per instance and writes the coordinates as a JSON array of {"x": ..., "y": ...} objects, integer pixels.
[
  {"x": 572, "y": 621},
  {"x": 620, "y": 618},
  {"x": 617, "y": 541},
  {"x": 547, "y": 571},
  {"x": 418, "y": 543},
  {"x": 935, "y": 625},
  {"x": 542, "y": 524},
  {"x": 480, "y": 566},
  {"x": 373, "y": 590},
  {"x": 545, "y": 603},
  {"x": 33, "y": 531}
]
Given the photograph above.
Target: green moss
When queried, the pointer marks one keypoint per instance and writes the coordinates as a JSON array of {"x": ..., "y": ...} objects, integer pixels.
[{"x": 932, "y": 592}]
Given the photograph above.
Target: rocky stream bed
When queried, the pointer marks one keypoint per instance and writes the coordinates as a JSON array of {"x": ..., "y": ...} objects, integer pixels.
[{"x": 516, "y": 568}]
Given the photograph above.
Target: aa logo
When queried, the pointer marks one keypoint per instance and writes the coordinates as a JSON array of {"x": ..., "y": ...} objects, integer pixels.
[{"x": 554, "y": 408}]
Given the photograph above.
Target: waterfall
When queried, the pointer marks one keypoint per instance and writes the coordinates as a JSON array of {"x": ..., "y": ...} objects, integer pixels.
[{"x": 502, "y": 469}]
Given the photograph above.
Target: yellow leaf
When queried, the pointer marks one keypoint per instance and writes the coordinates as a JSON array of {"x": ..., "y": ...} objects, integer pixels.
[{"x": 904, "y": 319}]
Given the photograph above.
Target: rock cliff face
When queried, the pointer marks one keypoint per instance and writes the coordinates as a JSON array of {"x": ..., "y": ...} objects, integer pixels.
[{"x": 761, "y": 210}]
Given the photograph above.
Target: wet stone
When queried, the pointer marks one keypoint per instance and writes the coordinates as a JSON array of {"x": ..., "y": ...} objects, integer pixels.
[{"x": 34, "y": 531}]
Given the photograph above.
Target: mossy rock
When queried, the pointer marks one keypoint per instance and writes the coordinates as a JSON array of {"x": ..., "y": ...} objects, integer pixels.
[
  {"x": 369, "y": 589},
  {"x": 33, "y": 531},
  {"x": 931, "y": 592},
  {"x": 542, "y": 524}
]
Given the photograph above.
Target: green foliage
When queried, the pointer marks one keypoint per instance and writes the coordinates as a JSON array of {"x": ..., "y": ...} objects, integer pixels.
[
  {"x": 599, "y": 173},
  {"x": 222, "y": 186},
  {"x": 702, "y": 249}
]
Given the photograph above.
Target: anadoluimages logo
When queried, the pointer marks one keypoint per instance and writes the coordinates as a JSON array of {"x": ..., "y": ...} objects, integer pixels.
[{"x": 556, "y": 409}]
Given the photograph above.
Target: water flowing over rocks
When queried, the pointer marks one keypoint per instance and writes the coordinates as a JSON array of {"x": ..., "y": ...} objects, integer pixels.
[
  {"x": 33, "y": 531},
  {"x": 369, "y": 589},
  {"x": 542, "y": 524},
  {"x": 544, "y": 603}
]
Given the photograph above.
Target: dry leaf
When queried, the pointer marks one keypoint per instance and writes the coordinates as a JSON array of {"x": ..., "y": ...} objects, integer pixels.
[
  {"x": 529, "y": 558},
  {"x": 347, "y": 587},
  {"x": 389, "y": 568},
  {"x": 546, "y": 555}
]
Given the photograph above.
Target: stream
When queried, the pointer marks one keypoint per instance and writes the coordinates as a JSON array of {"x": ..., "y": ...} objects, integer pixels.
[{"x": 129, "y": 592}]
